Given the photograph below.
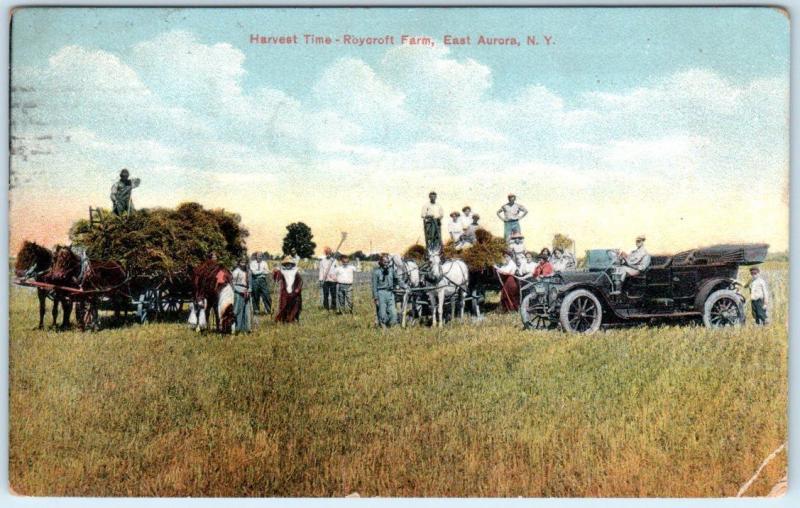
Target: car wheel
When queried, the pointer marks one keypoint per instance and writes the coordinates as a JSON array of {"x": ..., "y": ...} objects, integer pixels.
[
  {"x": 723, "y": 308},
  {"x": 532, "y": 320},
  {"x": 580, "y": 312}
]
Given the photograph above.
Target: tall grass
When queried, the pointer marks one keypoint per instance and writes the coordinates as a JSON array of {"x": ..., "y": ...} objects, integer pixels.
[{"x": 333, "y": 406}]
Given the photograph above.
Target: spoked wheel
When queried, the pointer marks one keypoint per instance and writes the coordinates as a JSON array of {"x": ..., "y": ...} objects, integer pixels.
[
  {"x": 723, "y": 308},
  {"x": 170, "y": 304},
  {"x": 580, "y": 312},
  {"x": 532, "y": 318},
  {"x": 148, "y": 307}
]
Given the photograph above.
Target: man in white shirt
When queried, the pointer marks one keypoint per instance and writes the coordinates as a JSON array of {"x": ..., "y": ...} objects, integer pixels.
[
  {"x": 259, "y": 283},
  {"x": 516, "y": 246},
  {"x": 241, "y": 294},
  {"x": 432, "y": 214},
  {"x": 345, "y": 275},
  {"x": 327, "y": 279},
  {"x": 455, "y": 228},
  {"x": 631, "y": 264},
  {"x": 759, "y": 296},
  {"x": 511, "y": 213}
]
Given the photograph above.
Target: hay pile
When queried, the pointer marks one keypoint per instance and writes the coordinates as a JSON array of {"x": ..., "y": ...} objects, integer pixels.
[
  {"x": 485, "y": 254},
  {"x": 162, "y": 241}
]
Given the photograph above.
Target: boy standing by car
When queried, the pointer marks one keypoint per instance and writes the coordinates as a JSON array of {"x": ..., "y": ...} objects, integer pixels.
[{"x": 759, "y": 296}]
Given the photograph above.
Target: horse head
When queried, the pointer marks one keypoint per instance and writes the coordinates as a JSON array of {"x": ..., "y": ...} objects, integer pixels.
[
  {"x": 66, "y": 264},
  {"x": 32, "y": 259}
]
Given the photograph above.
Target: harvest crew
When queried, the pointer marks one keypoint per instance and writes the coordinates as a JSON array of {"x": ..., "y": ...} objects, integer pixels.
[
  {"x": 241, "y": 296},
  {"x": 759, "y": 296},
  {"x": 345, "y": 274},
  {"x": 511, "y": 213},
  {"x": 327, "y": 279},
  {"x": 260, "y": 283},
  {"x": 384, "y": 281},
  {"x": 121, "y": 193},
  {"x": 432, "y": 222}
]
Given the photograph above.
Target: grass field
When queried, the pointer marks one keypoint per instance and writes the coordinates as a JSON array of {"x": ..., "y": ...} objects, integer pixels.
[{"x": 335, "y": 406}]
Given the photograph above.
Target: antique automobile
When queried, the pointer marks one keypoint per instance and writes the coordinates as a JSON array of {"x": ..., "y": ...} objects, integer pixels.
[{"x": 698, "y": 284}]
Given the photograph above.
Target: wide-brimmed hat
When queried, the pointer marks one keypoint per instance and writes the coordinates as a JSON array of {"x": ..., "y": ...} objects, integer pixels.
[
  {"x": 288, "y": 260},
  {"x": 512, "y": 195},
  {"x": 641, "y": 237},
  {"x": 515, "y": 235}
]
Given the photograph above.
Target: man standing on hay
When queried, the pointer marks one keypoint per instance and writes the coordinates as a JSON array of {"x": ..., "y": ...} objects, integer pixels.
[
  {"x": 290, "y": 288},
  {"x": 511, "y": 213},
  {"x": 121, "y": 191},
  {"x": 432, "y": 222},
  {"x": 260, "y": 283}
]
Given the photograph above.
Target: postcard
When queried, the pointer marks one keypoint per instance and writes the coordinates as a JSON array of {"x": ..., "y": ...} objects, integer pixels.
[{"x": 399, "y": 252}]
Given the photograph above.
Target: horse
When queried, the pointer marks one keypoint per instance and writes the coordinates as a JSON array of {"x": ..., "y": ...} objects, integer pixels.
[
  {"x": 448, "y": 279},
  {"x": 34, "y": 262},
  {"x": 92, "y": 276},
  {"x": 212, "y": 290},
  {"x": 409, "y": 274}
]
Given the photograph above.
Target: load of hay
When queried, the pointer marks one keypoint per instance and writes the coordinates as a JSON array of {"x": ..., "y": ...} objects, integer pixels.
[
  {"x": 162, "y": 241},
  {"x": 484, "y": 255}
]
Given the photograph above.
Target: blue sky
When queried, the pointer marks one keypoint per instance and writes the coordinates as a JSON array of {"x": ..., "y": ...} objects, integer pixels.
[{"x": 595, "y": 133}]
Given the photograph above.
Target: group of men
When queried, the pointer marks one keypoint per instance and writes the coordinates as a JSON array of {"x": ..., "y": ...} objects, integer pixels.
[
  {"x": 336, "y": 278},
  {"x": 462, "y": 226}
]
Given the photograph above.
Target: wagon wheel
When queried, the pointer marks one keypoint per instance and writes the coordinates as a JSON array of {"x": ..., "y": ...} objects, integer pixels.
[
  {"x": 531, "y": 319},
  {"x": 148, "y": 307},
  {"x": 170, "y": 304}
]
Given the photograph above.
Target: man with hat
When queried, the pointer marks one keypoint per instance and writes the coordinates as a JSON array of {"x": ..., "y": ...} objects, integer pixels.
[
  {"x": 631, "y": 264},
  {"x": 455, "y": 227},
  {"x": 241, "y": 296},
  {"x": 516, "y": 247},
  {"x": 260, "y": 283},
  {"x": 327, "y": 279},
  {"x": 345, "y": 274},
  {"x": 432, "y": 222},
  {"x": 511, "y": 213},
  {"x": 759, "y": 296},
  {"x": 290, "y": 288},
  {"x": 384, "y": 282},
  {"x": 121, "y": 193}
]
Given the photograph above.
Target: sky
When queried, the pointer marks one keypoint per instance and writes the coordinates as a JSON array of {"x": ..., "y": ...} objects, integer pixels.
[{"x": 668, "y": 122}]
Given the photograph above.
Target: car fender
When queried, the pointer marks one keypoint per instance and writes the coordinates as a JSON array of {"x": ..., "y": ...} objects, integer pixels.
[{"x": 708, "y": 287}]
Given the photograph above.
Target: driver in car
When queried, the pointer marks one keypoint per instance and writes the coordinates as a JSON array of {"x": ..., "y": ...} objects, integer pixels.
[{"x": 631, "y": 264}]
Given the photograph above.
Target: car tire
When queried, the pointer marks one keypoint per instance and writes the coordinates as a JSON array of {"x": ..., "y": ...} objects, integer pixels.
[
  {"x": 580, "y": 312},
  {"x": 532, "y": 321},
  {"x": 723, "y": 307}
]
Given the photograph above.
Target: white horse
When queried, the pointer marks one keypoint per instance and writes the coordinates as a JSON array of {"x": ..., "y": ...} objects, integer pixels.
[
  {"x": 408, "y": 272},
  {"x": 448, "y": 278}
]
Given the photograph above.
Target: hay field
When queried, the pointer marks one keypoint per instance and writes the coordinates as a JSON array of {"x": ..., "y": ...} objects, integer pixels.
[{"x": 334, "y": 406}]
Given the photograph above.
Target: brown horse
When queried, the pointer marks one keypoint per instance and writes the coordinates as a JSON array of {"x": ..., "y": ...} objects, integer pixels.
[
  {"x": 34, "y": 262},
  {"x": 96, "y": 278},
  {"x": 208, "y": 279}
]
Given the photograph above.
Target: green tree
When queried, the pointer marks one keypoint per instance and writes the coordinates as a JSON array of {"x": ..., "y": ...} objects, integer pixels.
[
  {"x": 562, "y": 241},
  {"x": 298, "y": 240}
]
